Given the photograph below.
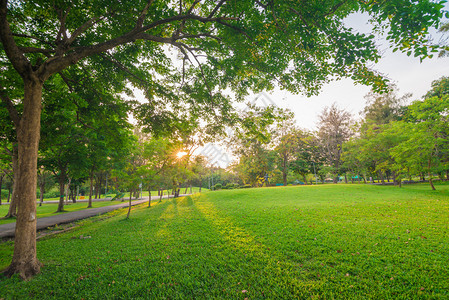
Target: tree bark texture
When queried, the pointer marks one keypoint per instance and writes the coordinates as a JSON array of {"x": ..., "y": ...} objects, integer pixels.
[
  {"x": 12, "y": 211},
  {"x": 24, "y": 260}
]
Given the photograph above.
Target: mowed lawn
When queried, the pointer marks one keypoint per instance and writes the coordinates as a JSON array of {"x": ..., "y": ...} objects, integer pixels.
[
  {"x": 319, "y": 242},
  {"x": 49, "y": 209}
]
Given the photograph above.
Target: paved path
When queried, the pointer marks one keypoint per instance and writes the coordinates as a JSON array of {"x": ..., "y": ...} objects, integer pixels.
[{"x": 8, "y": 230}]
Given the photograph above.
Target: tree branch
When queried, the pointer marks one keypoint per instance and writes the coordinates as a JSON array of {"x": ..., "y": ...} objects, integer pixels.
[
  {"x": 217, "y": 7},
  {"x": 335, "y": 8},
  {"x": 123, "y": 68},
  {"x": 32, "y": 37},
  {"x": 56, "y": 64},
  {"x": 36, "y": 50},
  {"x": 15, "y": 55},
  {"x": 89, "y": 23},
  {"x": 143, "y": 14}
]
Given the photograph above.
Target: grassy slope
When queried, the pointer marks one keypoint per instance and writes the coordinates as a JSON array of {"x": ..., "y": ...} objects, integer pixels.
[{"x": 345, "y": 241}]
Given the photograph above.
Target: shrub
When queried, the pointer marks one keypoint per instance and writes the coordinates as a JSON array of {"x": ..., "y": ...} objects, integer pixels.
[
  {"x": 229, "y": 186},
  {"x": 246, "y": 186}
]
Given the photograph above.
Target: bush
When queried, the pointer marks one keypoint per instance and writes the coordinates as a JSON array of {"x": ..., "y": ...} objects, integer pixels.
[
  {"x": 245, "y": 186},
  {"x": 230, "y": 186},
  {"x": 218, "y": 186}
]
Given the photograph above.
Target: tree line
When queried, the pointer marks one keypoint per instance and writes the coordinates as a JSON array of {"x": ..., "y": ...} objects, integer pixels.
[{"x": 392, "y": 142}]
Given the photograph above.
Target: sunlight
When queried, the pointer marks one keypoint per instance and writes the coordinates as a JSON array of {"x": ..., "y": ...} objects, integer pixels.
[{"x": 181, "y": 154}]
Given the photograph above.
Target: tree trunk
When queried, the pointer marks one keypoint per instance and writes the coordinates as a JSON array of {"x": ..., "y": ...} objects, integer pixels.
[
  {"x": 24, "y": 261},
  {"x": 42, "y": 190},
  {"x": 1, "y": 182},
  {"x": 346, "y": 179},
  {"x": 67, "y": 191},
  {"x": 61, "y": 180},
  {"x": 161, "y": 195},
  {"x": 447, "y": 175},
  {"x": 394, "y": 178},
  {"x": 191, "y": 189},
  {"x": 12, "y": 211},
  {"x": 430, "y": 175},
  {"x": 381, "y": 175},
  {"x": 129, "y": 205},
  {"x": 149, "y": 197},
  {"x": 91, "y": 178}
]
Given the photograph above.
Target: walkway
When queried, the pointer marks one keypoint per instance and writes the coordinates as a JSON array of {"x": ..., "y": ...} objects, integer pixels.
[{"x": 8, "y": 230}]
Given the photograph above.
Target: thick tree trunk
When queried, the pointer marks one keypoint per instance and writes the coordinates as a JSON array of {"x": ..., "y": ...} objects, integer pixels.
[
  {"x": 346, "y": 179},
  {"x": 24, "y": 260},
  {"x": 161, "y": 195},
  {"x": 12, "y": 211},
  {"x": 149, "y": 197}
]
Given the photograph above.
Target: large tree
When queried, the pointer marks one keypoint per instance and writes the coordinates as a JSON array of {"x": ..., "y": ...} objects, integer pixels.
[{"x": 242, "y": 45}]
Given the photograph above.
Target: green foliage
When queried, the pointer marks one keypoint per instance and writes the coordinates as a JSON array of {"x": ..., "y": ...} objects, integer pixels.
[{"x": 294, "y": 242}]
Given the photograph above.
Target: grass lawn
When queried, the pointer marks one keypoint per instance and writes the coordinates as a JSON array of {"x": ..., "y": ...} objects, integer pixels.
[
  {"x": 319, "y": 242},
  {"x": 47, "y": 210}
]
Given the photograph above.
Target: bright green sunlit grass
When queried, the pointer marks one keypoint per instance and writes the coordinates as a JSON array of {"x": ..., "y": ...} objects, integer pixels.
[{"x": 342, "y": 241}]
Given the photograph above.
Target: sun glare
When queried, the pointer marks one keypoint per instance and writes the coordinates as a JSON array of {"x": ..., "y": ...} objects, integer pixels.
[{"x": 181, "y": 154}]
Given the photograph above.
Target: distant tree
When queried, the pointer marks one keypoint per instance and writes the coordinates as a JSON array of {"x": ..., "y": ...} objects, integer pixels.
[
  {"x": 383, "y": 108},
  {"x": 334, "y": 129},
  {"x": 439, "y": 88}
]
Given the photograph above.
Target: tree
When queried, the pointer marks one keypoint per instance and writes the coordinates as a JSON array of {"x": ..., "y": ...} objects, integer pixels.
[
  {"x": 236, "y": 38},
  {"x": 383, "y": 108},
  {"x": 286, "y": 144},
  {"x": 334, "y": 129}
]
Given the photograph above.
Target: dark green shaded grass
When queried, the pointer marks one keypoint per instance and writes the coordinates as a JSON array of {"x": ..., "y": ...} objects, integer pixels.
[{"x": 344, "y": 242}]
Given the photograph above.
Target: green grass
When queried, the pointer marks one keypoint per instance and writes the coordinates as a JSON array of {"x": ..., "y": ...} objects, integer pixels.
[
  {"x": 319, "y": 242},
  {"x": 49, "y": 209}
]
